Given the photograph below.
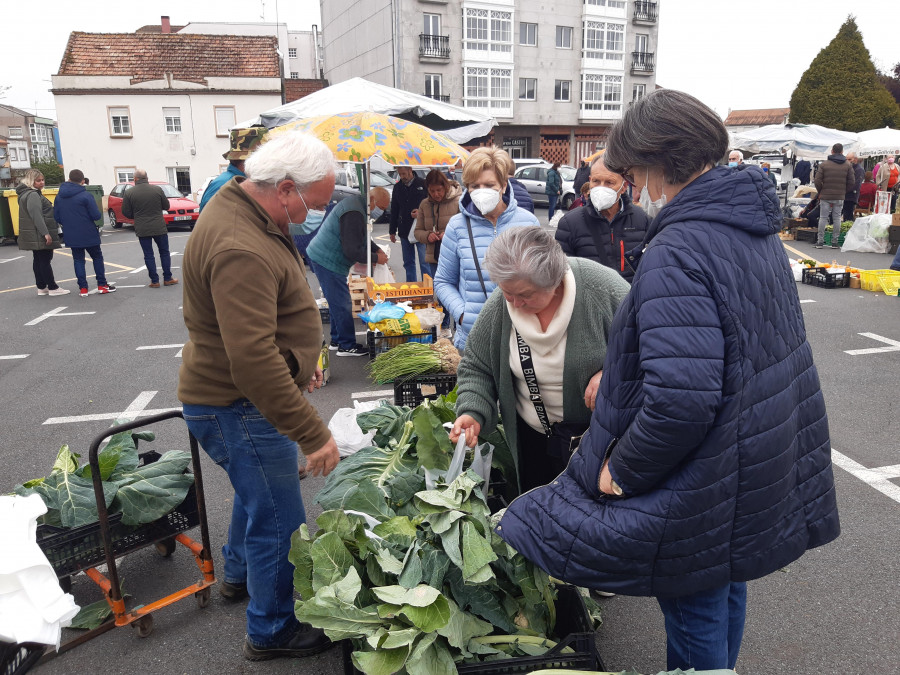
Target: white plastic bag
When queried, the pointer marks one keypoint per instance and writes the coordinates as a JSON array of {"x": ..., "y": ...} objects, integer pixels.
[
  {"x": 429, "y": 317},
  {"x": 797, "y": 269},
  {"x": 383, "y": 275},
  {"x": 481, "y": 464},
  {"x": 868, "y": 235},
  {"x": 347, "y": 434}
]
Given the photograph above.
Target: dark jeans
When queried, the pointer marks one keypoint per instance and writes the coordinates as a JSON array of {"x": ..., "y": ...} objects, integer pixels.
[
  {"x": 551, "y": 206},
  {"x": 704, "y": 630},
  {"x": 43, "y": 273},
  {"x": 849, "y": 205},
  {"x": 536, "y": 465},
  {"x": 162, "y": 243},
  {"x": 96, "y": 257},
  {"x": 334, "y": 288},
  {"x": 409, "y": 259}
]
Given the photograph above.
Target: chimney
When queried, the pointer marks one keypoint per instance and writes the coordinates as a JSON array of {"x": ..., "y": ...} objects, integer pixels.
[{"x": 166, "y": 27}]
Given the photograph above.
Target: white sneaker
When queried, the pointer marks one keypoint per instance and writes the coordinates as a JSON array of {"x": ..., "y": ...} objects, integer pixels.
[
  {"x": 43, "y": 291},
  {"x": 59, "y": 291}
]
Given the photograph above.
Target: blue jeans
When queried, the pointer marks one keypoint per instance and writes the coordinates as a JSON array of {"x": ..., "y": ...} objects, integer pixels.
[
  {"x": 409, "y": 259},
  {"x": 96, "y": 257},
  {"x": 336, "y": 292},
  {"x": 551, "y": 206},
  {"x": 704, "y": 630},
  {"x": 829, "y": 208},
  {"x": 262, "y": 466},
  {"x": 162, "y": 243}
]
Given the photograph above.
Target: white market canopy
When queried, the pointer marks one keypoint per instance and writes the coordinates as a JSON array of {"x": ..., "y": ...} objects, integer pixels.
[
  {"x": 809, "y": 141},
  {"x": 879, "y": 142},
  {"x": 359, "y": 95}
]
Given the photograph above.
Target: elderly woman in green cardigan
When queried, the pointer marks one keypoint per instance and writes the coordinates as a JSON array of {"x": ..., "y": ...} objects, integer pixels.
[{"x": 536, "y": 351}]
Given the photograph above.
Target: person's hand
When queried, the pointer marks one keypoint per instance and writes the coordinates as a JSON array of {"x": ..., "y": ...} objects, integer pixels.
[
  {"x": 322, "y": 461},
  {"x": 382, "y": 257},
  {"x": 440, "y": 235},
  {"x": 590, "y": 394},
  {"x": 606, "y": 480},
  {"x": 48, "y": 239},
  {"x": 465, "y": 424},
  {"x": 316, "y": 381},
  {"x": 393, "y": 238},
  {"x": 433, "y": 237},
  {"x": 414, "y": 213}
]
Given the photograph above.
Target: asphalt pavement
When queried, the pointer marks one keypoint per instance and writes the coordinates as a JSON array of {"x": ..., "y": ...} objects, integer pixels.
[{"x": 81, "y": 362}]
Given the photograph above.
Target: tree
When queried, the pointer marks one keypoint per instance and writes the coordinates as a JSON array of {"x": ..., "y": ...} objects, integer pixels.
[
  {"x": 53, "y": 172},
  {"x": 891, "y": 81},
  {"x": 841, "y": 90}
]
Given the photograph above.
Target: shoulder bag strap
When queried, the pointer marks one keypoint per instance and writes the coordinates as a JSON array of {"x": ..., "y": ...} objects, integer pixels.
[
  {"x": 534, "y": 391},
  {"x": 475, "y": 255}
]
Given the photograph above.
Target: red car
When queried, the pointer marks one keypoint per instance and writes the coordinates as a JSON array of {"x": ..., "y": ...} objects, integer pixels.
[{"x": 182, "y": 211}]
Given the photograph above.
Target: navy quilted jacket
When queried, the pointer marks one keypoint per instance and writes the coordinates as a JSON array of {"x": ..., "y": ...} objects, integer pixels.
[{"x": 710, "y": 409}]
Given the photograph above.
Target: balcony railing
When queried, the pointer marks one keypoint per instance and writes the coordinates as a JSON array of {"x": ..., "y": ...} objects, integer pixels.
[
  {"x": 439, "y": 97},
  {"x": 642, "y": 63},
  {"x": 434, "y": 46},
  {"x": 645, "y": 12}
]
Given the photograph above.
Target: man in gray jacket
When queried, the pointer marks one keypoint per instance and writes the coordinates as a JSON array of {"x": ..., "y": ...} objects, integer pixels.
[
  {"x": 834, "y": 179},
  {"x": 145, "y": 203}
]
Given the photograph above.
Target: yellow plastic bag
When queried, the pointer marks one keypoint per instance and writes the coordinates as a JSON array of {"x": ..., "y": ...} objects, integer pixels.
[{"x": 408, "y": 325}]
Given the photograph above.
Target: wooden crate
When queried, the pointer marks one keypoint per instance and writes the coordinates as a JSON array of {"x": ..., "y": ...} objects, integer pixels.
[{"x": 358, "y": 298}]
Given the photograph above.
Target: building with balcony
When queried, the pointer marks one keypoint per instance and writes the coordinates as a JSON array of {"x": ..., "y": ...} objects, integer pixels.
[
  {"x": 28, "y": 137},
  {"x": 555, "y": 77}
]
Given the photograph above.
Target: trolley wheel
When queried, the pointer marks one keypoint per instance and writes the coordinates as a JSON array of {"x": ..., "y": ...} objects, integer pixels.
[
  {"x": 65, "y": 583},
  {"x": 202, "y": 597},
  {"x": 166, "y": 547},
  {"x": 144, "y": 625}
]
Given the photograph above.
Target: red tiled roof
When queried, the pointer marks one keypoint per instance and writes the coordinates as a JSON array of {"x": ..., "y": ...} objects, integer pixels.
[
  {"x": 190, "y": 57},
  {"x": 298, "y": 88},
  {"x": 737, "y": 118},
  {"x": 157, "y": 28}
]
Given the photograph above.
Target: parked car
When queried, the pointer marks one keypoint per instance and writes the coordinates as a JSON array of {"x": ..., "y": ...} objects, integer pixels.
[
  {"x": 529, "y": 161},
  {"x": 775, "y": 159},
  {"x": 534, "y": 178},
  {"x": 198, "y": 195},
  {"x": 182, "y": 211},
  {"x": 346, "y": 184}
]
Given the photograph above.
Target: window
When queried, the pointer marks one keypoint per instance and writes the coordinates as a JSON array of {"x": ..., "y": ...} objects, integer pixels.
[
  {"x": 432, "y": 24},
  {"x": 119, "y": 122},
  {"x": 13, "y": 155},
  {"x": 180, "y": 177},
  {"x": 488, "y": 88},
  {"x": 642, "y": 43},
  {"x": 638, "y": 91},
  {"x": 224, "y": 119},
  {"x": 528, "y": 34},
  {"x": 292, "y": 52},
  {"x": 564, "y": 37},
  {"x": 173, "y": 120},
  {"x": 432, "y": 85},
  {"x": 488, "y": 31},
  {"x": 602, "y": 93},
  {"x": 124, "y": 174},
  {"x": 38, "y": 133},
  {"x": 604, "y": 41},
  {"x": 295, "y": 75},
  {"x": 612, "y": 4},
  {"x": 527, "y": 88},
  {"x": 15, "y": 132},
  {"x": 562, "y": 90}
]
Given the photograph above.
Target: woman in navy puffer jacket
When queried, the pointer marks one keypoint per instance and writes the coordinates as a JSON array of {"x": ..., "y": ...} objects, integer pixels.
[{"x": 708, "y": 459}]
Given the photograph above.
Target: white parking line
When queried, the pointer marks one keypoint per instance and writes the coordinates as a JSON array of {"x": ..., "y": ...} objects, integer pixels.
[
  {"x": 6, "y": 260},
  {"x": 55, "y": 312},
  {"x": 876, "y": 478},
  {"x": 14, "y": 356},
  {"x": 372, "y": 394},
  {"x": 805, "y": 301},
  {"x": 894, "y": 346},
  {"x": 137, "y": 408},
  {"x": 176, "y": 346}
]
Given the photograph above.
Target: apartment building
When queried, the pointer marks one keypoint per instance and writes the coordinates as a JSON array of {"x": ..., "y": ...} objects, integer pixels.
[
  {"x": 554, "y": 76},
  {"x": 28, "y": 137}
]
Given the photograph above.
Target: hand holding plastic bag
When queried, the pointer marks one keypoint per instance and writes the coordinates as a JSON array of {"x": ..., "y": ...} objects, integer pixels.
[{"x": 481, "y": 464}]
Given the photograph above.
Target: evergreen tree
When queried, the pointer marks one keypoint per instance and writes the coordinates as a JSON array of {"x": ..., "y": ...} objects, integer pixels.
[
  {"x": 841, "y": 89},
  {"x": 53, "y": 172},
  {"x": 891, "y": 81}
]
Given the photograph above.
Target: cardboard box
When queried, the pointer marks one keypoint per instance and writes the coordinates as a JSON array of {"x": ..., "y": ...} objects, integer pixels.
[{"x": 895, "y": 220}]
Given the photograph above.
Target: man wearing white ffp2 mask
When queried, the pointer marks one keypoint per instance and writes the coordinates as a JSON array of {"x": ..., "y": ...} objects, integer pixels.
[{"x": 608, "y": 226}]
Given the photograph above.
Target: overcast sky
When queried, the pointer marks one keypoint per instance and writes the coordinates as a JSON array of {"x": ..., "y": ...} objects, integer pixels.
[{"x": 731, "y": 55}]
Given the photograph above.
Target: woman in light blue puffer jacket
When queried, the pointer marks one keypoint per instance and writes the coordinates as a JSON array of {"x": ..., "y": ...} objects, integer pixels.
[{"x": 486, "y": 208}]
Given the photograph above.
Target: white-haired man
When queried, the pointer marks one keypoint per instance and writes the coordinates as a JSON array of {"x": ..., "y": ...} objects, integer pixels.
[{"x": 254, "y": 338}]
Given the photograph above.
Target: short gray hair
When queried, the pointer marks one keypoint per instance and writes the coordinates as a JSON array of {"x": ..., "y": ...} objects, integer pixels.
[
  {"x": 295, "y": 155},
  {"x": 140, "y": 174},
  {"x": 670, "y": 130},
  {"x": 527, "y": 253}
]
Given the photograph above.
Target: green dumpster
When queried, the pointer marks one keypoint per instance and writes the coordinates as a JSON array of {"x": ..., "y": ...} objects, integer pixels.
[
  {"x": 97, "y": 193},
  {"x": 6, "y": 226}
]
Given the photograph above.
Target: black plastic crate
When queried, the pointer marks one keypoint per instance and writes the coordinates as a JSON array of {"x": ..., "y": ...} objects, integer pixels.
[
  {"x": 412, "y": 391},
  {"x": 806, "y": 234},
  {"x": 573, "y": 628},
  {"x": 325, "y": 314},
  {"x": 822, "y": 278},
  {"x": 378, "y": 343},
  {"x": 72, "y": 550},
  {"x": 16, "y": 659}
]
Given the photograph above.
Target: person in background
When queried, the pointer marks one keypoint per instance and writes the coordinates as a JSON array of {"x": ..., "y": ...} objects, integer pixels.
[
  {"x": 583, "y": 198},
  {"x": 243, "y": 142},
  {"x": 523, "y": 199},
  {"x": 435, "y": 212},
  {"x": 852, "y": 196},
  {"x": 76, "y": 210},
  {"x": 802, "y": 171},
  {"x": 811, "y": 212},
  {"x": 608, "y": 227},
  {"x": 254, "y": 338},
  {"x": 145, "y": 203},
  {"x": 553, "y": 189},
  {"x": 556, "y": 312},
  {"x": 408, "y": 193},
  {"x": 87, "y": 181},
  {"x": 834, "y": 179},
  {"x": 340, "y": 243},
  {"x": 767, "y": 169},
  {"x": 581, "y": 176},
  {"x": 38, "y": 231},
  {"x": 486, "y": 208},
  {"x": 867, "y": 192},
  {"x": 888, "y": 179},
  {"x": 707, "y": 463},
  {"x": 735, "y": 158}
]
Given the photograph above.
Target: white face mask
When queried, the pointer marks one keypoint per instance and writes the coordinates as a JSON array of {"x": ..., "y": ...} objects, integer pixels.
[
  {"x": 376, "y": 213},
  {"x": 651, "y": 207},
  {"x": 603, "y": 197},
  {"x": 485, "y": 199}
]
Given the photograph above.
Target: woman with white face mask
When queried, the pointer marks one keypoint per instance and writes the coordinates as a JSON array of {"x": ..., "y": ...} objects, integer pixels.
[
  {"x": 608, "y": 226},
  {"x": 486, "y": 208}
]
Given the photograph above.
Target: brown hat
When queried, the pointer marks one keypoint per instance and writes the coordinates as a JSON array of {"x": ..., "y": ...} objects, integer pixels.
[{"x": 244, "y": 142}]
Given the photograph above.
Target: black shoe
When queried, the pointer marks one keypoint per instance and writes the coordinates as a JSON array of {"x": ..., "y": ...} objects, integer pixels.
[
  {"x": 818, "y": 246},
  {"x": 333, "y": 346},
  {"x": 355, "y": 350},
  {"x": 306, "y": 642},
  {"x": 833, "y": 246},
  {"x": 233, "y": 592}
]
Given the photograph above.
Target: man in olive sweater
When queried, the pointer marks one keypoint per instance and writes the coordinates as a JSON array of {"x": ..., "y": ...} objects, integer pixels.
[
  {"x": 145, "y": 203},
  {"x": 254, "y": 339}
]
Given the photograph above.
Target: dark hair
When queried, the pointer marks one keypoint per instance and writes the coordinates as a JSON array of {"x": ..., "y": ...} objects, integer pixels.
[
  {"x": 837, "y": 148},
  {"x": 868, "y": 175},
  {"x": 555, "y": 166},
  {"x": 76, "y": 175},
  {"x": 436, "y": 177},
  {"x": 670, "y": 130}
]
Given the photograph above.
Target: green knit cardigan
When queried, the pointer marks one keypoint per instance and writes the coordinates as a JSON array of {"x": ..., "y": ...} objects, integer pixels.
[{"x": 484, "y": 375}]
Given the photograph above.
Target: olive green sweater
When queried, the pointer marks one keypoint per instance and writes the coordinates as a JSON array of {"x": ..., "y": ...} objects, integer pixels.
[{"x": 484, "y": 375}]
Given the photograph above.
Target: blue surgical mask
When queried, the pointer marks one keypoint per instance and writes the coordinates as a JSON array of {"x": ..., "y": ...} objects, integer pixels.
[
  {"x": 376, "y": 213},
  {"x": 732, "y": 164},
  {"x": 310, "y": 223}
]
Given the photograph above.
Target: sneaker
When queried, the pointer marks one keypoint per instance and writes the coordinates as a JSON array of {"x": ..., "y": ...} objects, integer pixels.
[
  {"x": 233, "y": 592},
  {"x": 833, "y": 246},
  {"x": 602, "y": 594},
  {"x": 59, "y": 291},
  {"x": 334, "y": 346},
  {"x": 302, "y": 472},
  {"x": 43, "y": 291},
  {"x": 170, "y": 282},
  {"x": 355, "y": 350},
  {"x": 108, "y": 288},
  {"x": 818, "y": 246},
  {"x": 83, "y": 292},
  {"x": 305, "y": 642},
  {"x": 155, "y": 284}
]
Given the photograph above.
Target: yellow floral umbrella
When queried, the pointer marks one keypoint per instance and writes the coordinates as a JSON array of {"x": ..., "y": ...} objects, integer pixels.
[{"x": 358, "y": 137}]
